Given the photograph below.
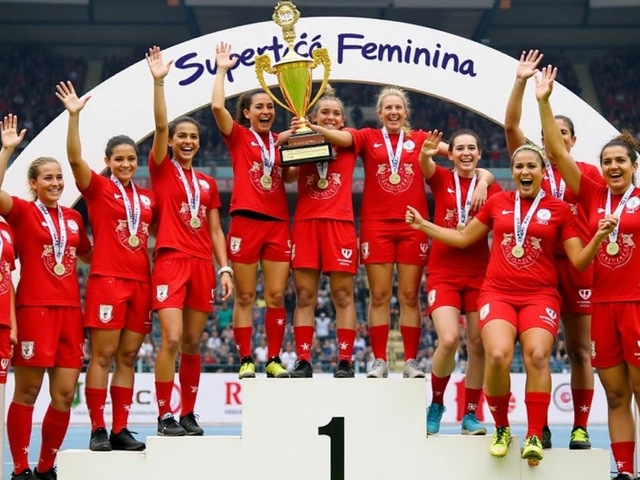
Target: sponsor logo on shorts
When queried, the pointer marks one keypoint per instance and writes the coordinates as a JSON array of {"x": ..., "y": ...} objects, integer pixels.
[
  {"x": 423, "y": 248},
  {"x": 585, "y": 293},
  {"x": 73, "y": 226},
  {"x": 162, "y": 292},
  {"x": 4, "y": 364},
  {"x": 345, "y": 261},
  {"x": 234, "y": 244},
  {"x": 27, "y": 350},
  {"x": 364, "y": 249},
  {"x": 106, "y": 313},
  {"x": 484, "y": 311},
  {"x": 593, "y": 349},
  {"x": 347, "y": 252},
  {"x": 550, "y": 317},
  {"x": 431, "y": 297}
]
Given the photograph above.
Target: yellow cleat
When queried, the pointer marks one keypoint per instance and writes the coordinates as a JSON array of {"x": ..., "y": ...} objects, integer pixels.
[
  {"x": 501, "y": 441},
  {"x": 275, "y": 369},
  {"x": 532, "y": 451},
  {"x": 247, "y": 368}
]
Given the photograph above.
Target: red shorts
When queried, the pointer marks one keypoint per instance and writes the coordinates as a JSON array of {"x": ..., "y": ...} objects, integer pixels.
[
  {"x": 453, "y": 291},
  {"x": 574, "y": 287},
  {"x": 325, "y": 245},
  {"x": 49, "y": 337},
  {"x": 115, "y": 303},
  {"x": 392, "y": 242},
  {"x": 5, "y": 352},
  {"x": 178, "y": 282},
  {"x": 525, "y": 312},
  {"x": 251, "y": 240},
  {"x": 615, "y": 330}
]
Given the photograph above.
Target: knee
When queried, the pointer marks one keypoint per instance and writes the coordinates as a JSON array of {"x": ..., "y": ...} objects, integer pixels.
[
  {"x": 245, "y": 299},
  {"x": 498, "y": 358},
  {"x": 380, "y": 298},
  {"x": 62, "y": 397},
  {"x": 171, "y": 342},
  {"x": 475, "y": 346},
  {"x": 408, "y": 298},
  {"x": 127, "y": 359},
  {"x": 619, "y": 397},
  {"x": 305, "y": 298},
  {"x": 103, "y": 357},
  {"x": 27, "y": 395},
  {"x": 448, "y": 343},
  {"x": 537, "y": 359},
  {"x": 342, "y": 298},
  {"x": 580, "y": 355},
  {"x": 274, "y": 299},
  {"x": 191, "y": 343}
]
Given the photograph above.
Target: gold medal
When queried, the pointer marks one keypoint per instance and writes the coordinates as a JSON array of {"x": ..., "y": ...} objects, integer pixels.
[
  {"x": 134, "y": 241},
  {"x": 266, "y": 182},
  {"x": 612, "y": 249},
  {"x": 460, "y": 226},
  {"x": 394, "y": 179},
  {"x": 323, "y": 183},
  {"x": 517, "y": 251},
  {"x": 195, "y": 222},
  {"x": 59, "y": 269}
]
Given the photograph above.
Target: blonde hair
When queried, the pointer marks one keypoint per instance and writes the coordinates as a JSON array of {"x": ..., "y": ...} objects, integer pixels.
[
  {"x": 531, "y": 147},
  {"x": 396, "y": 92},
  {"x": 34, "y": 171},
  {"x": 328, "y": 94}
]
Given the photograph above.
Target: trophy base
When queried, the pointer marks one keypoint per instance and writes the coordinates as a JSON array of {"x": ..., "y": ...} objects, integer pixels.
[{"x": 306, "y": 148}]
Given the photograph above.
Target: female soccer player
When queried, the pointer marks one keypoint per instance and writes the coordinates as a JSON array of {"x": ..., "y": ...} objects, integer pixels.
[
  {"x": 519, "y": 299},
  {"x": 117, "y": 309},
  {"x": 259, "y": 231},
  {"x": 183, "y": 277},
  {"x": 455, "y": 277},
  {"x": 616, "y": 308},
  {"x": 574, "y": 286},
  {"x": 49, "y": 239}
]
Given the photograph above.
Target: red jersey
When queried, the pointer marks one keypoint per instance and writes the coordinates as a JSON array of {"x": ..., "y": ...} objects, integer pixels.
[
  {"x": 7, "y": 265},
  {"x": 535, "y": 272},
  {"x": 113, "y": 253},
  {"x": 444, "y": 259},
  {"x": 39, "y": 284},
  {"x": 587, "y": 170},
  {"x": 175, "y": 229},
  {"x": 334, "y": 200},
  {"x": 615, "y": 277},
  {"x": 382, "y": 199},
  {"x": 249, "y": 193}
]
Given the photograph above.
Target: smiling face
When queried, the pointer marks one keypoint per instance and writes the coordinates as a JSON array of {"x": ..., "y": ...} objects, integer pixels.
[
  {"x": 261, "y": 113},
  {"x": 45, "y": 181},
  {"x": 465, "y": 153},
  {"x": 123, "y": 162},
  {"x": 185, "y": 142},
  {"x": 392, "y": 112},
  {"x": 330, "y": 114},
  {"x": 617, "y": 168},
  {"x": 526, "y": 170}
]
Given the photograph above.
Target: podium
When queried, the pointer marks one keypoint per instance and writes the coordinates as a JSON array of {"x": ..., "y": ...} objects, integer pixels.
[{"x": 330, "y": 429}]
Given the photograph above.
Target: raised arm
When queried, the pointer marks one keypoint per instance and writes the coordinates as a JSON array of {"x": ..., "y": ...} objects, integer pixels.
[
  {"x": 581, "y": 256},
  {"x": 527, "y": 68},
  {"x": 74, "y": 105},
  {"x": 224, "y": 62},
  {"x": 429, "y": 150},
  {"x": 11, "y": 139},
  {"x": 473, "y": 232},
  {"x": 159, "y": 70},
  {"x": 553, "y": 140}
]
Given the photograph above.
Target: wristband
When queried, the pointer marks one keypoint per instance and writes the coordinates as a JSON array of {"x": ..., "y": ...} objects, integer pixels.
[{"x": 228, "y": 270}]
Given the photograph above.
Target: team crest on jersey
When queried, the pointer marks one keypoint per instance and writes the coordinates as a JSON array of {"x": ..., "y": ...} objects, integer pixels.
[
  {"x": 146, "y": 201},
  {"x": 626, "y": 247},
  {"x": 431, "y": 297},
  {"x": 409, "y": 146},
  {"x": 543, "y": 216},
  {"x": 185, "y": 214},
  {"x": 364, "y": 250},
  {"x": 235, "y": 244},
  {"x": 450, "y": 218},
  {"x": 7, "y": 237},
  {"x": 162, "y": 292},
  {"x": 532, "y": 248},
  {"x": 122, "y": 231},
  {"x": 73, "y": 225},
  {"x": 106, "y": 313},
  {"x": 314, "y": 191},
  {"x": 68, "y": 261},
  {"x": 255, "y": 175},
  {"x": 27, "y": 350},
  {"x": 406, "y": 178},
  {"x": 633, "y": 204},
  {"x": 585, "y": 293},
  {"x": 204, "y": 184}
]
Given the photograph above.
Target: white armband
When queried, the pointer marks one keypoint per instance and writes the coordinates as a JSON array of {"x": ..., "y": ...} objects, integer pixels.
[{"x": 228, "y": 270}]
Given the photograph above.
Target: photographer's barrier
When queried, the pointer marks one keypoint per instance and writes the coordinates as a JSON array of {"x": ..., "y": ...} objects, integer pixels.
[
  {"x": 220, "y": 401},
  {"x": 330, "y": 429}
]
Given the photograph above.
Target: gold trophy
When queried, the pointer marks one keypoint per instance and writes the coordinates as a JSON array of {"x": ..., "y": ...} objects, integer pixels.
[{"x": 294, "y": 75}]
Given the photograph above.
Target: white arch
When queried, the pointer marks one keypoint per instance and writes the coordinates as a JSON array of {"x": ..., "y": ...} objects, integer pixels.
[{"x": 459, "y": 70}]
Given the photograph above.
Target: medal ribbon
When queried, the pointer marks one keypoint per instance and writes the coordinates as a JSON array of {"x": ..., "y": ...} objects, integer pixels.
[
  {"x": 519, "y": 228},
  {"x": 555, "y": 192},
  {"x": 613, "y": 236},
  {"x": 268, "y": 157},
  {"x": 59, "y": 243},
  {"x": 192, "y": 199},
  {"x": 463, "y": 213},
  {"x": 133, "y": 214},
  {"x": 394, "y": 158}
]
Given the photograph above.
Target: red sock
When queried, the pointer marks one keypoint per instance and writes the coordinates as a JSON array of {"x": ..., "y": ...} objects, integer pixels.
[
  {"x": 242, "y": 336},
  {"x": 190, "y": 367},
  {"x": 163, "y": 394},
  {"x": 623, "y": 455},
  {"x": 303, "y": 336},
  {"x": 19, "y": 420},
  {"x": 54, "y": 429},
  {"x": 96, "y": 400},
  {"x": 275, "y": 323},
  {"x": 582, "y": 400},
  {"x": 471, "y": 399},
  {"x": 378, "y": 337},
  {"x": 438, "y": 386},
  {"x": 346, "y": 337},
  {"x": 410, "y": 340},
  {"x": 121, "y": 398},
  {"x": 537, "y": 407},
  {"x": 499, "y": 407}
]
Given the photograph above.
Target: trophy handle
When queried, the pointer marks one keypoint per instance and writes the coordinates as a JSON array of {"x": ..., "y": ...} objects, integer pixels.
[
  {"x": 263, "y": 64},
  {"x": 321, "y": 56}
]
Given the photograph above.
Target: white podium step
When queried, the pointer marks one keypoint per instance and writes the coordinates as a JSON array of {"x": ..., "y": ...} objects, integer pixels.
[{"x": 330, "y": 429}]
